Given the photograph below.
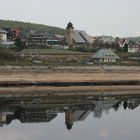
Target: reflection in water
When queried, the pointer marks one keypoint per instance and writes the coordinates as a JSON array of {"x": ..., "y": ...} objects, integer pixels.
[{"x": 44, "y": 108}]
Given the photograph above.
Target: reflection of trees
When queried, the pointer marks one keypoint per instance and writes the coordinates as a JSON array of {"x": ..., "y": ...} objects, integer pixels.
[
  {"x": 131, "y": 104},
  {"x": 116, "y": 106},
  {"x": 125, "y": 105}
]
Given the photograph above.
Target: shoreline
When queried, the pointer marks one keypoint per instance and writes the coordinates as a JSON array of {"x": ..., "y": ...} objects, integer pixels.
[
  {"x": 65, "y": 77},
  {"x": 70, "y": 83}
]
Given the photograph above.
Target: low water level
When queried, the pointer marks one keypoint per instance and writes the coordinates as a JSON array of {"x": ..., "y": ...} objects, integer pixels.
[{"x": 71, "y": 117}]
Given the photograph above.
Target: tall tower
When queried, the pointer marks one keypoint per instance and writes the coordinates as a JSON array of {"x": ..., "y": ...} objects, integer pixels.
[{"x": 70, "y": 34}]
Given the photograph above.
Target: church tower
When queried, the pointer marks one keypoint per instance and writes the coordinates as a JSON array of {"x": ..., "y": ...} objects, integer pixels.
[{"x": 70, "y": 34}]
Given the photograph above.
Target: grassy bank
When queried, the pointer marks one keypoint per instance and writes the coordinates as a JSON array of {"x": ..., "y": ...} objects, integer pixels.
[
  {"x": 47, "y": 50},
  {"x": 55, "y": 57}
]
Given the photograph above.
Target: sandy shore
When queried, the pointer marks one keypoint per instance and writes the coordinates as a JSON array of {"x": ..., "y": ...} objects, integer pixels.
[
  {"x": 67, "y": 77},
  {"x": 68, "y": 74}
]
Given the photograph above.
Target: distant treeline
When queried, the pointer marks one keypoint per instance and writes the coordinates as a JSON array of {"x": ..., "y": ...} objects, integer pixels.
[{"x": 31, "y": 26}]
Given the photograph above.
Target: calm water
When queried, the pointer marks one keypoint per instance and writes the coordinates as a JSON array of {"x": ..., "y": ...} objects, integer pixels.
[{"x": 41, "y": 117}]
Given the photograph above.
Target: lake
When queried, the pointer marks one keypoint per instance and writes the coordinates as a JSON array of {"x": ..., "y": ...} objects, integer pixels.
[{"x": 70, "y": 116}]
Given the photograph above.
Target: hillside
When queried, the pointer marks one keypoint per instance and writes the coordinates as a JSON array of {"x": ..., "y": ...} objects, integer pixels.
[
  {"x": 137, "y": 39},
  {"x": 27, "y": 25}
]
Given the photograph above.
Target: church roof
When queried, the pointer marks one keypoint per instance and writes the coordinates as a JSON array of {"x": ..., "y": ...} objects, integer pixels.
[{"x": 82, "y": 37}]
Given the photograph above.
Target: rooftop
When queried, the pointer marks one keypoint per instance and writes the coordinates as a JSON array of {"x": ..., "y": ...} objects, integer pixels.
[
  {"x": 105, "y": 53},
  {"x": 2, "y": 31},
  {"x": 82, "y": 37}
]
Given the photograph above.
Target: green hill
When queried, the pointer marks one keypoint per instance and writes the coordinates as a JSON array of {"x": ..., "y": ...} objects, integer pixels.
[{"x": 27, "y": 25}]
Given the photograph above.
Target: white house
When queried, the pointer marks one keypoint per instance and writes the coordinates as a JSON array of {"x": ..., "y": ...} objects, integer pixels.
[
  {"x": 133, "y": 47},
  {"x": 105, "y": 55},
  {"x": 3, "y": 35}
]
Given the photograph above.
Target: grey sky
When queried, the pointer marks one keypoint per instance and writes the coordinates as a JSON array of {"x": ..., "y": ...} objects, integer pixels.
[{"x": 97, "y": 17}]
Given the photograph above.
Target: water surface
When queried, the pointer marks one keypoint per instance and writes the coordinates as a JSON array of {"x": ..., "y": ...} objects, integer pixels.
[{"x": 70, "y": 117}]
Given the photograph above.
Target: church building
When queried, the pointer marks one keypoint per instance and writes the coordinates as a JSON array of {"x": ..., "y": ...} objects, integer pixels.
[{"x": 79, "y": 37}]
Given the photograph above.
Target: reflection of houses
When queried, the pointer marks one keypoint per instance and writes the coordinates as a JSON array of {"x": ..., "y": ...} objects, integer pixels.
[
  {"x": 133, "y": 47},
  {"x": 3, "y": 117},
  {"x": 74, "y": 116},
  {"x": 105, "y": 55},
  {"x": 36, "y": 116},
  {"x": 35, "y": 110},
  {"x": 101, "y": 106},
  {"x": 26, "y": 116},
  {"x": 3, "y": 35}
]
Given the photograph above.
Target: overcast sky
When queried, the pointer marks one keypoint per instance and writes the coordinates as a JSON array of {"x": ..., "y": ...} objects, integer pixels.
[{"x": 96, "y": 17}]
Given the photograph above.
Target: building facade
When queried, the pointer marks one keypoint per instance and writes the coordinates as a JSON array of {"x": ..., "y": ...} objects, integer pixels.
[
  {"x": 37, "y": 40},
  {"x": 45, "y": 40},
  {"x": 3, "y": 35}
]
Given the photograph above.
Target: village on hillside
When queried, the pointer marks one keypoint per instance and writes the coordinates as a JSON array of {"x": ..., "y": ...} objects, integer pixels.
[{"x": 76, "y": 46}]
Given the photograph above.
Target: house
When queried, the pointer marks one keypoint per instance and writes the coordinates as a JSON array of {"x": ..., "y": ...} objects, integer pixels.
[
  {"x": 37, "y": 40},
  {"x": 3, "y": 35},
  {"x": 9, "y": 33},
  {"x": 133, "y": 47},
  {"x": 105, "y": 55},
  {"x": 106, "y": 39}
]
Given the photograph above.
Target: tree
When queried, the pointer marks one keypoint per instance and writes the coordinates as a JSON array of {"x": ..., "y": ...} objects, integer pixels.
[
  {"x": 125, "y": 47},
  {"x": 20, "y": 45}
]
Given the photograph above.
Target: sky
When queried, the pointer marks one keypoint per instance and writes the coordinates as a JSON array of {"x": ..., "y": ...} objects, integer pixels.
[{"x": 97, "y": 17}]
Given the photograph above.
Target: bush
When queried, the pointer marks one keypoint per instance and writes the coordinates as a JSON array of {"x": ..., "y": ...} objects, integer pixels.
[{"x": 20, "y": 45}]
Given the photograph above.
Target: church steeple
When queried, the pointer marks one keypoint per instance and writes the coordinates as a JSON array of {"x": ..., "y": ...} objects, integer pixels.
[
  {"x": 69, "y": 25},
  {"x": 70, "y": 34}
]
